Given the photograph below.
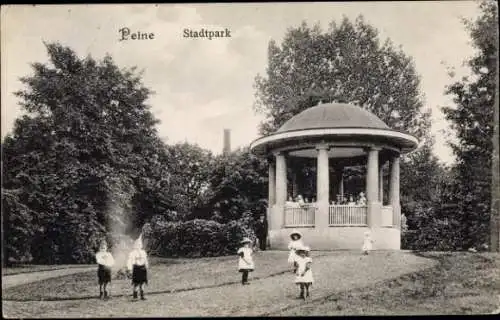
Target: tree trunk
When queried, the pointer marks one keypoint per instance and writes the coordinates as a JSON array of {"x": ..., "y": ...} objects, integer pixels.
[{"x": 495, "y": 183}]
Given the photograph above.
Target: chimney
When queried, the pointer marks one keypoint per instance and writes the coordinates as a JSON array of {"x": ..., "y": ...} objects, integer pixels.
[{"x": 227, "y": 141}]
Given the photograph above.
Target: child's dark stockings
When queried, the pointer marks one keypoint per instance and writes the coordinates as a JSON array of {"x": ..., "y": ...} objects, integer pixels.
[
  {"x": 244, "y": 277},
  {"x": 103, "y": 293},
  {"x": 302, "y": 291}
]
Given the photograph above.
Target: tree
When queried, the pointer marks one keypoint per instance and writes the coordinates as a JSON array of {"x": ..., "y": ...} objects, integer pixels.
[
  {"x": 428, "y": 173},
  {"x": 190, "y": 169},
  {"x": 86, "y": 122},
  {"x": 239, "y": 184},
  {"x": 427, "y": 202},
  {"x": 473, "y": 121},
  {"x": 346, "y": 63}
]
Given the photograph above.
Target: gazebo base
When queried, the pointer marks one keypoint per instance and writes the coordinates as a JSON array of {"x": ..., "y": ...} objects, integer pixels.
[{"x": 338, "y": 238}]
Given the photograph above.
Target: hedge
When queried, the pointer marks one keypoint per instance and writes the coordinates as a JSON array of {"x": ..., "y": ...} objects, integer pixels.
[{"x": 195, "y": 238}]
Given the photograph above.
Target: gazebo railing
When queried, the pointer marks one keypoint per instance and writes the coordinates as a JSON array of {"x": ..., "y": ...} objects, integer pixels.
[
  {"x": 300, "y": 216},
  {"x": 347, "y": 215}
]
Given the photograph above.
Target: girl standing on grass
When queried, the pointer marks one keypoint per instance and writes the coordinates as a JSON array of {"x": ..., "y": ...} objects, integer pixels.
[
  {"x": 367, "y": 243},
  {"x": 245, "y": 262},
  {"x": 138, "y": 264},
  {"x": 304, "y": 278},
  {"x": 104, "y": 261},
  {"x": 295, "y": 243}
]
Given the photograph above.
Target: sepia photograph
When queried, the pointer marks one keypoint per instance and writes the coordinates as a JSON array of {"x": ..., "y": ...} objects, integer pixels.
[{"x": 250, "y": 159}]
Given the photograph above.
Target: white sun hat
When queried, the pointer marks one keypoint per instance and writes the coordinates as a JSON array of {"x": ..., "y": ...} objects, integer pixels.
[{"x": 246, "y": 240}]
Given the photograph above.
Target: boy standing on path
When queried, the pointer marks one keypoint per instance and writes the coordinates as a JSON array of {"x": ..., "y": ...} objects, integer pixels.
[
  {"x": 138, "y": 264},
  {"x": 104, "y": 261}
]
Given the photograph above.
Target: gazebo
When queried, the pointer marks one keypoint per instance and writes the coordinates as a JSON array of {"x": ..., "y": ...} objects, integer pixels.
[{"x": 336, "y": 135}]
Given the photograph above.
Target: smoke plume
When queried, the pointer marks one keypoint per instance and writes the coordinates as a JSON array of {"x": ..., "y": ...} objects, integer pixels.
[{"x": 120, "y": 193}]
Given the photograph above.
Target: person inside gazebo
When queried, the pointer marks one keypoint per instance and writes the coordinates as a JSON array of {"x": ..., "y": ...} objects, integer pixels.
[
  {"x": 351, "y": 201},
  {"x": 290, "y": 203},
  {"x": 362, "y": 199},
  {"x": 300, "y": 200}
]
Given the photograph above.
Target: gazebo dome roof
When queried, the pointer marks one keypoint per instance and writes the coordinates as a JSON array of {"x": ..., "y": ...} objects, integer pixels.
[
  {"x": 339, "y": 124},
  {"x": 333, "y": 115}
]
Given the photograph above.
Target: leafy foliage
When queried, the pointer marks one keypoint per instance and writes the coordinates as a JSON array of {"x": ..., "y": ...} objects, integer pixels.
[
  {"x": 18, "y": 227},
  {"x": 346, "y": 63},
  {"x": 85, "y": 121},
  {"x": 239, "y": 182},
  {"x": 190, "y": 169},
  {"x": 195, "y": 238},
  {"x": 472, "y": 119}
]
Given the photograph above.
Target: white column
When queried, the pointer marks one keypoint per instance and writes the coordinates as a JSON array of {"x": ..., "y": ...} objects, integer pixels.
[
  {"x": 272, "y": 183},
  {"x": 272, "y": 191},
  {"x": 322, "y": 187},
  {"x": 372, "y": 195},
  {"x": 394, "y": 192},
  {"x": 381, "y": 183},
  {"x": 281, "y": 191}
]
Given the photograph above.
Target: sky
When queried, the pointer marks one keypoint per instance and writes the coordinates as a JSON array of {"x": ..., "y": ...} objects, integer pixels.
[{"x": 204, "y": 86}]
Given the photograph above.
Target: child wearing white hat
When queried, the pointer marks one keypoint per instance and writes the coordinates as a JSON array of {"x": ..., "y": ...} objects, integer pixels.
[
  {"x": 295, "y": 242},
  {"x": 104, "y": 261},
  {"x": 304, "y": 278},
  {"x": 138, "y": 264},
  {"x": 367, "y": 243},
  {"x": 245, "y": 261}
]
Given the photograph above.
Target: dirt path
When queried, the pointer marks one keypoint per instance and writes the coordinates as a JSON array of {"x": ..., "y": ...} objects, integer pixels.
[
  {"x": 266, "y": 296},
  {"x": 9, "y": 281}
]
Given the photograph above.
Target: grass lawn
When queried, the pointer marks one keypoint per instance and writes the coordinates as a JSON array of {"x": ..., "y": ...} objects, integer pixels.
[
  {"x": 461, "y": 283},
  {"x": 345, "y": 283}
]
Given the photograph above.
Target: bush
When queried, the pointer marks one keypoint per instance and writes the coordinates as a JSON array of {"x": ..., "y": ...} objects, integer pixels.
[
  {"x": 195, "y": 238},
  {"x": 430, "y": 231}
]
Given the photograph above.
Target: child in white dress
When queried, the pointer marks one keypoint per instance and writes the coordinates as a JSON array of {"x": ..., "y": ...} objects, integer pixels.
[
  {"x": 295, "y": 243},
  {"x": 304, "y": 278},
  {"x": 138, "y": 264},
  {"x": 104, "y": 261},
  {"x": 367, "y": 243},
  {"x": 362, "y": 199},
  {"x": 245, "y": 261}
]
